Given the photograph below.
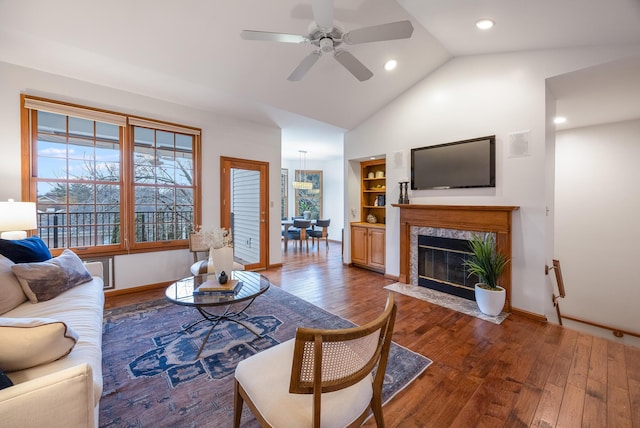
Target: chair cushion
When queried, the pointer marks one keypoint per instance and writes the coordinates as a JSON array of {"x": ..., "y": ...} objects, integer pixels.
[{"x": 269, "y": 391}]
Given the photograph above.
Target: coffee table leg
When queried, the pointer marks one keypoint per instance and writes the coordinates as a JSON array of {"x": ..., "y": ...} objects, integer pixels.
[{"x": 215, "y": 319}]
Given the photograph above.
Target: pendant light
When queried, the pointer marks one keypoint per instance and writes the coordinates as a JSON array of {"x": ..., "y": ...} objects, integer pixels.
[{"x": 302, "y": 184}]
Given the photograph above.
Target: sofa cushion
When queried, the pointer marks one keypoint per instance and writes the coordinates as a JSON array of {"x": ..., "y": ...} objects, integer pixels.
[
  {"x": 28, "y": 250},
  {"x": 30, "y": 342},
  {"x": 46, "y": 280},
  {"x": 11, "y": 294},
  {"x": 5, "y": 382},
  {"x": 81, "y": 309}
]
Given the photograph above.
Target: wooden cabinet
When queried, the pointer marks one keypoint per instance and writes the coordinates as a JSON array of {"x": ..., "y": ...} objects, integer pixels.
[
  {"x": 368, "y": 246},
  {"x": 368, "y": 238}
]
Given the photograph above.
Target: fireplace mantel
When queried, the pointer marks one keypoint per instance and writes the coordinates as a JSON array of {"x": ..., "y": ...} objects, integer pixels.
[{"x": 480, "y": 218}]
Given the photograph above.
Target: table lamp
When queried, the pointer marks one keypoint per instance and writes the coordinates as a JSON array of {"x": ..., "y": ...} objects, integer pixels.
[{"x": 16, "y": 218}]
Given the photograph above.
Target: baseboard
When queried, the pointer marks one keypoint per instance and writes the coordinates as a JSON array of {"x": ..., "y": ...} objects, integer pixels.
[
  {"x": 530, "y": 315},
  {"x": 392, "y": 277},
  {"x": 123, "y": 291}
]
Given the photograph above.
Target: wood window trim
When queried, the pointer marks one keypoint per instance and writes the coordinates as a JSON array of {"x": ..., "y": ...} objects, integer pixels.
[{"x": 29, "y": 103}]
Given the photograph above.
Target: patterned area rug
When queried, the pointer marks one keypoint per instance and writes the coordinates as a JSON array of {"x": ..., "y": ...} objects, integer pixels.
[{"x": 152, "y": 379}]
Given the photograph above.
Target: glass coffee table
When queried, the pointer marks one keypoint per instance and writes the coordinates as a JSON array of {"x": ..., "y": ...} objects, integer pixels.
[{"x": 181, "y": 293}]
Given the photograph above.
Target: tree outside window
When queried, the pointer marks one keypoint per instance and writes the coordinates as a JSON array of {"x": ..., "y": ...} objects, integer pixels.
[{"x": 309, "y": 200}]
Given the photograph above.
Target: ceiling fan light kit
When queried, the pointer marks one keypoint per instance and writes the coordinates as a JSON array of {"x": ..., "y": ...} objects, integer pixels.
[{"x": 326, "y": 37}]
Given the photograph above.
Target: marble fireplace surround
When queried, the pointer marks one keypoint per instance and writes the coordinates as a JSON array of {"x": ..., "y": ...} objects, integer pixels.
[{"x": 466, "y": 218}]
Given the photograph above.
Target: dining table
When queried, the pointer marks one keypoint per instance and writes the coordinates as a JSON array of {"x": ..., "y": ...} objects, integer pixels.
[{"x": 287, "y": 224}]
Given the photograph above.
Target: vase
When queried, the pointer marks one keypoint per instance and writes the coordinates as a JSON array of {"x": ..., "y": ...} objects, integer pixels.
[
  {"x": 490, "y": 302},
  {"x": 220, "y": 260}
]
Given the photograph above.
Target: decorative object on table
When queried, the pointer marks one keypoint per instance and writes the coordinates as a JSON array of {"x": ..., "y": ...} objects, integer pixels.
[
  {"x": 488, "y": 264},
  {"x": 372, "y": 219},
  {"x": 222, "y": 278},
  {"x": 220, "y": 243},
  {"x": 212, "y": 286},
  {"x": 158, "y": 359}
]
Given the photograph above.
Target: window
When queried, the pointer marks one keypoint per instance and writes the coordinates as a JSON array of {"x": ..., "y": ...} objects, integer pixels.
[
  {"x": 309, "y": 199},
  {"x": 105, "y": 182}
]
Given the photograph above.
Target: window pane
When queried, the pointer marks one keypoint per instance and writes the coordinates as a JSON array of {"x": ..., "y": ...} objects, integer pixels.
[
  {"x": 108, "y": 132},
  {"x": 52, "y": 168},
  {"x": 51, "y": 122},
  {"x": 184, "y": 142},
  {"x": 143, "y": 136},
  {"x": 79, "y": 126},
  {"x": 51, "y": 146},
  {"x": 81, "y": 148},
  {"x": 165, "y": 140}
]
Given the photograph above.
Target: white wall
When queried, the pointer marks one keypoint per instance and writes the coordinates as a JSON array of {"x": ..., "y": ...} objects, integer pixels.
[
  {"x": 473, "y": 97},
  {"x": 596, "y": 224},
  {"x": 333, "y": 190},
  {"x": 221, "y": 136}
]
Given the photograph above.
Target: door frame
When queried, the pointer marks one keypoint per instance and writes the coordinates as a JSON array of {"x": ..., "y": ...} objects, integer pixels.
[{"x": 226, "y": 164}]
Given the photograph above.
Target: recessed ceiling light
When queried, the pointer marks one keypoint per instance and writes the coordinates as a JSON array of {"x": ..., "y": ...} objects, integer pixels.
[
  {"x": 390, "y": 65},
  {"x": 484, "y": 24},
  {"x": 559, "y": 119}
]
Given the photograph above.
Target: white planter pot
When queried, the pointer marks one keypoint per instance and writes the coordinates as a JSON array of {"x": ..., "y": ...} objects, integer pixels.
[
  {"x": 220, "y": 259},
  {"x": 490, "y": 302}
]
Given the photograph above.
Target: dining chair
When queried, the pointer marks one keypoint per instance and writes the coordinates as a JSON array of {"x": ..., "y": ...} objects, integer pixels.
[
  {"x": 319, "y": 378},
  {"x": 299, "y": 232},
  {"x": 318, "y": 231},
  {"x": 196, "y": 246}
]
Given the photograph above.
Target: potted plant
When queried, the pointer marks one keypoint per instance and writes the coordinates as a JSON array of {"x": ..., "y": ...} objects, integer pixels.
[{"x": 488, "y": 264}]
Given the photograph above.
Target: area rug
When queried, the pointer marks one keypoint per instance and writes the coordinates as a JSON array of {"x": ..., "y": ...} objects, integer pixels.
[
  {"x": 152, "y": 379},
  {"x": 449, "y": 301}
]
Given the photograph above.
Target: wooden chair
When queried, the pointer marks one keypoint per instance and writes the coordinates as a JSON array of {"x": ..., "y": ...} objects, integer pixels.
[
  {"x": 320, "y": 233},
  {"x": 284, "y": 387},
  {"x": 196, "y": 246},
  {"x": 299, "y": 231}
]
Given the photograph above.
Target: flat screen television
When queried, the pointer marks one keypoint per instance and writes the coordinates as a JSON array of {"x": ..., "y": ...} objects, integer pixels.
[{"x": 461, "y": 164}]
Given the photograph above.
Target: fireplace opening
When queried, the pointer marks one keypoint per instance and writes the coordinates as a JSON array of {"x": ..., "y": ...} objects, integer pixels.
[{"x": 441, "y": 266}]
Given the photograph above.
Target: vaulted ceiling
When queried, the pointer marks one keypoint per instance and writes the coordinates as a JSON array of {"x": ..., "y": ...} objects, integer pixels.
[{"x": 190, "y": 51}]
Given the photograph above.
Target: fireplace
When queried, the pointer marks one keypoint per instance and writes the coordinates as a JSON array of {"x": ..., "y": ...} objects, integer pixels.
[
  {"x": 448, "y": 224},
  {"x": 440, "y": 265}
]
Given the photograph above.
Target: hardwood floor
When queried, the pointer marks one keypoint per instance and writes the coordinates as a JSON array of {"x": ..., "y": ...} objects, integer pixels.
[{"x": 517, "y": 374}]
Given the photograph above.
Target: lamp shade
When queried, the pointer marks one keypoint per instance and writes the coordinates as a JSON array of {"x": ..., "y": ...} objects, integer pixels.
[{"x": 17, "y": 216}]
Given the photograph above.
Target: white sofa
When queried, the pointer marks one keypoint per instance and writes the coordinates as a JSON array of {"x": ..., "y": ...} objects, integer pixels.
[{"x": 65, "y": 392}]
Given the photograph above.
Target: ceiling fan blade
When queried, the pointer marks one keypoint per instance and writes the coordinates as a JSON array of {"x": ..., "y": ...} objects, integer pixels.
[
  {"x": 304, "y": 66},
  {"x": 352, "y": 64},
  {"x": 378, "y": 33},
  {"x": 323, "y": 14},
  {"x": 273, "y": 37}
]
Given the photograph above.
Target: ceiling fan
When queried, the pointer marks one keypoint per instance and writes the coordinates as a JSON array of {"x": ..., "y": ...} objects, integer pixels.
[{"x": 326, "y": 37}]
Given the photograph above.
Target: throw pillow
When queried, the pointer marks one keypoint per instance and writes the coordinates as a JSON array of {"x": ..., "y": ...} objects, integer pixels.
[
  {"x": 30, "y": 342},
  {"x": 11, "y": 294},
  {"x": 5, "y": 382},
  {"x": 46, "y": 280},
  {"x": 32, "y": 249}
]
